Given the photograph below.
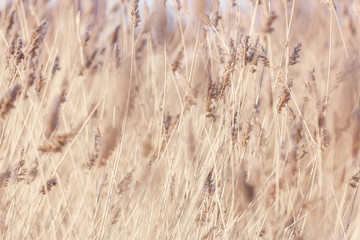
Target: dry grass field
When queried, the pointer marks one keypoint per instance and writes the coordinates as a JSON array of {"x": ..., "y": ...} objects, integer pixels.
[{"x": 191, "y": 120}]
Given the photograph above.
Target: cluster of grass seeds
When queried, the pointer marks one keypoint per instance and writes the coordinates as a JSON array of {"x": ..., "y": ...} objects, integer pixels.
[{"x": 182, "y": 119}]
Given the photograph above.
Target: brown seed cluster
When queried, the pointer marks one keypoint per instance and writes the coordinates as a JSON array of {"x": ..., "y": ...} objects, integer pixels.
[
  {"x": 294, "y": 57},
  {"x": 49, "y": 185},
  {"x": 7, "y": 101},
  {"x": 134, "y": 13}
]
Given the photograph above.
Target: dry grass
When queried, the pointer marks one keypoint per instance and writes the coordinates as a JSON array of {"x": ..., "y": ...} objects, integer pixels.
[{"x": 179, "y": 120}]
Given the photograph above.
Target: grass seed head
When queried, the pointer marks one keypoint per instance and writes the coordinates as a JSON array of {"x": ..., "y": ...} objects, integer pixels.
[
  {"x": 134, "y": 13},
  {"x": 53, "y": 117},
  {"x": 269, "y": 21},
  {"x": 294, "y": 58},
  {"x": 7, "y": 102},
  {"x": 49, "y": 185},
  {"x": 37, "y": 37}
]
